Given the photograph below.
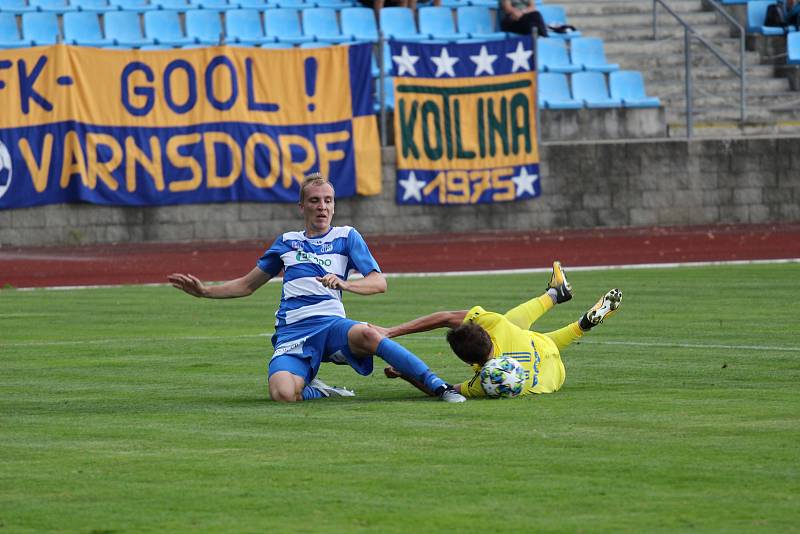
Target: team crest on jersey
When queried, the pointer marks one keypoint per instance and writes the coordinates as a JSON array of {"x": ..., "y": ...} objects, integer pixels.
[{"x": 326, "y": 247}]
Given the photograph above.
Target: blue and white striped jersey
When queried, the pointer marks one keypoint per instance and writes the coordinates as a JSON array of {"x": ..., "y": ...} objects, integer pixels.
[{"x": 340, "y": 251}]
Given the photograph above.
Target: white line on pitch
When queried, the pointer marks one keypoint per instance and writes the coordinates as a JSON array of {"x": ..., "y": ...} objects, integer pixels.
[
  {"x": 418, "y": 337},
  {"x": 482, "y": 273}
]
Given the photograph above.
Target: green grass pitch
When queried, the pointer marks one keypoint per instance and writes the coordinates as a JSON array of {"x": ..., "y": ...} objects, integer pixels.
[{"x": 141, "y": 409}]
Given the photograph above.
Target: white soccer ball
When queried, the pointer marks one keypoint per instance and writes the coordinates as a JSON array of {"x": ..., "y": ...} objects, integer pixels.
[{"x": 503, "y": 377}]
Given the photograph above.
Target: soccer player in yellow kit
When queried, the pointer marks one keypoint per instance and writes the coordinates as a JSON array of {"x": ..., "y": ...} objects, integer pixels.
[{"x": 477, "y": 335}]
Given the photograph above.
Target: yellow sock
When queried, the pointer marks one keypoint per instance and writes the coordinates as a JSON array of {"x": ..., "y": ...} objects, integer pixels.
[
  {"x": 527, "y": 313},
  {"x": 564, "y": 336}
]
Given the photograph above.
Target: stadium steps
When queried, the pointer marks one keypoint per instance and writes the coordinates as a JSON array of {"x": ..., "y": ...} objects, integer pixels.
[{"x": 626, "y": 29}]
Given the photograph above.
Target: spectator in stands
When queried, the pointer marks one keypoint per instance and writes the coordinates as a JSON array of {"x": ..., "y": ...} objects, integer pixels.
[
  {"x": 521, "y": 16},
  {"x": 792, "y": 12}
]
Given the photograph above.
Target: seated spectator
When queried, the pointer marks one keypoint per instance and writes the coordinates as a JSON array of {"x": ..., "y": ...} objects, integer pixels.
[{"x": 521, "y": 16}]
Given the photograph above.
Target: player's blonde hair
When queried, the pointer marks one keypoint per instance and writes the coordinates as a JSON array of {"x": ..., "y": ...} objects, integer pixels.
[{"x": 314, "y": 178}]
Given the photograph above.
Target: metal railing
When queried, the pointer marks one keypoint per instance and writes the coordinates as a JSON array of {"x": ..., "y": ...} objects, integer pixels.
[{"x": 688, "y": 34}]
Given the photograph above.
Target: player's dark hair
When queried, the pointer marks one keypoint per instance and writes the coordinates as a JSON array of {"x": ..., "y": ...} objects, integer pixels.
[
  {"x": 314, "y": 178},
  {"x": 471, "y": 343}
]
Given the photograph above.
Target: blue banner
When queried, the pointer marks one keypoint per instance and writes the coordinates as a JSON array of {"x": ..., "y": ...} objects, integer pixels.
[
  {"x": 465, "y": 121},
  {"x": 184, "y": 126}
]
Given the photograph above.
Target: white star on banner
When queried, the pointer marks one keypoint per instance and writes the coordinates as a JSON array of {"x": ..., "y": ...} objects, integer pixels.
[
  {"x": 520, "y": 57},
  {"x": 524, "y": 182},
  {"x": 412, "y": 188},
  {"x": 444, "y": 63},
  {"x": 405, "y": 62},
  {"x": 483, "y": 61}
]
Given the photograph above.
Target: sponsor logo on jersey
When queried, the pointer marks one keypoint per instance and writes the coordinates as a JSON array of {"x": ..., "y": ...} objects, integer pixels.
[{"x": 308, "y": 257}]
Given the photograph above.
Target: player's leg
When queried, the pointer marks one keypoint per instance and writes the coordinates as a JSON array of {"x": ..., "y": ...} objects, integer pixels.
[
  {"x": 604, "y": 308},
  {"x": 558, "y": 291},
  {"x": 287, "y": 378},
  {"x": 363, "y": 341},
  {"x": 293, "y": 367}
]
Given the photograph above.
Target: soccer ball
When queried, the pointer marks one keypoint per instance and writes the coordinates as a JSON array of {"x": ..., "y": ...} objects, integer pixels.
[{"x": 502, "y": 377}]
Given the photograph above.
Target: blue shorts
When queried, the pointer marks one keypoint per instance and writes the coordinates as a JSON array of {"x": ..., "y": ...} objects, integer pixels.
[{"x": 326, "y": 341}]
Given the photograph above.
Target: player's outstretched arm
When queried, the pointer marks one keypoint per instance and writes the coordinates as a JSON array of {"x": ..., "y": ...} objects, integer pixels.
[
  {"x": 240, "y": 287},
  {"x": 371, "y": 284},
  {"x": 443, "y": 319}
]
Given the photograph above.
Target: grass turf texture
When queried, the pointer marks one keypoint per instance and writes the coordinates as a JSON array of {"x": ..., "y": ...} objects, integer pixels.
[{"x": 143, "y": 409}]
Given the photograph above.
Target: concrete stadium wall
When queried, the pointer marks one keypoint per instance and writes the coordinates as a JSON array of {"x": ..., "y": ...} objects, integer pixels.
[{"x": 584, "y": 185}]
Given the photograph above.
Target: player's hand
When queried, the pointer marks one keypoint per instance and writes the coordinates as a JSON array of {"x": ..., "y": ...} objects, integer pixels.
[
  {"x": 332, "y": 281},
  {"x": 188, "y": 284},
  {"x": 391, "y": 372}
]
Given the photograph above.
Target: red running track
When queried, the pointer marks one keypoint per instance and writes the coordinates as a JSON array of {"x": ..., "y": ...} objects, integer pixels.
[{"x": 151, "y": 263}]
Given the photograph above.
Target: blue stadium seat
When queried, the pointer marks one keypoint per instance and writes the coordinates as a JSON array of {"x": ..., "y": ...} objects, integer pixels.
[
  {"x": 277, "y": 44},
  {"x": 398, "y": 23},
  {"x": 124, "y": 28},
  {"x": 555, "y": 15},
  {"x": 388, "y": 94},
  {"x": 254, "y": 4},
  {"x": 591, "y": 88},
  {"x": 294, "y": 4},
  {"x": 284, "y": 25},
  {"x": 387, "y": 59},
  {"x": 9, "y": 33},
  {"x": 97, "y": 6},
  {"x": 793, "y": 48},
  {"x": 553, "y": 56},
  {"x": 15, "y": 6},
  {"x": 437, "y": 21},
  {"x": 554, "y": 92},
  {"x": 333, "y": 4},
  {"x": 218, "y": 5},
  {"x": 321, "y": 23},
  {"x": 132, "y": 5},
  {"x": 56, "y": 6},
  {"x": 177, "y": 5},
  {"x": 83, "y": 28},
  {"x": 588, "y": 53},
  {"x": 476, "y": 21},
  {"x": 359, "y": 24},
  {"x": 40, "y": 28},
  {"x": 757, "y": 14},
  {"x": 243, "y": 26},
  {"x": 204, "y": 26},
  {"x": 164, "y": 27},
  {"x": 628, "y": 86}
]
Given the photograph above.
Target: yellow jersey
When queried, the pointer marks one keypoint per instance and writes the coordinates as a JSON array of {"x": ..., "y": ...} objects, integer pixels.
[{"x": 536, "y": 352}]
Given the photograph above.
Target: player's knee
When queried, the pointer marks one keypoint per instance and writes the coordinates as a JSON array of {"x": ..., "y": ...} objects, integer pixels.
[
  {"x": 366, "y": 339},
  {"x": 282, "y": 395},
  {"x": 284, "y": 388}
]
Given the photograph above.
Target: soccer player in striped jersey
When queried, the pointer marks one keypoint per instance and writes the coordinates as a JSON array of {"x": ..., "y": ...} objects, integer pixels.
[
  {"x": 477, "y": 335},
  {"x": 311, "y": 326}
]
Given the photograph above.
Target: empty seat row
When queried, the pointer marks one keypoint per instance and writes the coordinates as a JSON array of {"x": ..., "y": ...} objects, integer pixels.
[
  {"x": 124, "y": 28},
  {"x": 65, "y": 6},
  {"x": 244, "y": 26},
  {"x": 584, "y": 53},
  {"x": 589, "y": 89}
]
